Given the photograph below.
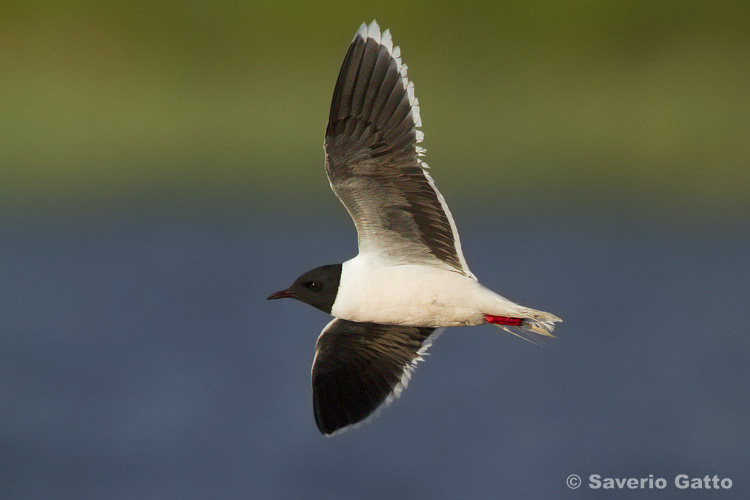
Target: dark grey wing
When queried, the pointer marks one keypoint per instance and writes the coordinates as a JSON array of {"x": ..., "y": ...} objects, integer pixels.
[
  {"x": 373, "y": 160},
  {"x": 360, "y": 366}
]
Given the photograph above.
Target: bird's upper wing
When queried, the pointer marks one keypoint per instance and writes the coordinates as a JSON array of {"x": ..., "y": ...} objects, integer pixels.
[
  {"x": 360, "y": 366},
  {"x": 373, "y": 160}
]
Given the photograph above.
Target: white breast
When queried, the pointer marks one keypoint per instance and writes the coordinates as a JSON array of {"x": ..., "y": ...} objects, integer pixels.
[{"x": 410, "y": 295}]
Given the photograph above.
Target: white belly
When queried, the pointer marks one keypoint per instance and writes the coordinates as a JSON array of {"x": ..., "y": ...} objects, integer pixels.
[{"x": 412, "y": 295}]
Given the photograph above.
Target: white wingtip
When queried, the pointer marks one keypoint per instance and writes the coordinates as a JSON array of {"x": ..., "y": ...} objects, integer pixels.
[
  {"x": 387, "y": 40},
  {"x": 361, "y": 32},
  {"x": 415, "y": 113},
  {"x": 373, "y": 30},
  {"x": 410, "y": 90}
]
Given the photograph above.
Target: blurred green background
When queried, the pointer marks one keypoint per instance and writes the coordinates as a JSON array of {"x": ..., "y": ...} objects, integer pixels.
[{"x": 631, "y": 103}]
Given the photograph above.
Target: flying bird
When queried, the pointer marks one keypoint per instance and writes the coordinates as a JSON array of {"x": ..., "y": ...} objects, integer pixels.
[{"x": 409, "y": 279}]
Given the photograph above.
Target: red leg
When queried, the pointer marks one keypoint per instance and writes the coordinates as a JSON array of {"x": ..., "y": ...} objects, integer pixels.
[{"x": 503, "y": 320}]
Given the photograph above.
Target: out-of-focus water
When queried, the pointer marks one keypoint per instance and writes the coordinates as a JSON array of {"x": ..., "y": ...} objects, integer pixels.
[{"x": 139, "y": 359}]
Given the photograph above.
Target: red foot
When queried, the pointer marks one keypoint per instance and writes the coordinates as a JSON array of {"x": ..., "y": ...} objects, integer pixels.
[{"x": 503, "y": 320}]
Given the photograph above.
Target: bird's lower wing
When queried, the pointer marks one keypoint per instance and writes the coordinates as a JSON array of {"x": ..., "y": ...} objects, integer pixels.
[{"x": 360, "y": 366}]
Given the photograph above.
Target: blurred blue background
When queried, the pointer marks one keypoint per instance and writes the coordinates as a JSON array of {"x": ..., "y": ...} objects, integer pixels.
[{"x": 162, "y": 174}]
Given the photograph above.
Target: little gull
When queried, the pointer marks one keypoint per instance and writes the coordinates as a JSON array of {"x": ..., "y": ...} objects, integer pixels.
[{"x": 410, "y": 278}]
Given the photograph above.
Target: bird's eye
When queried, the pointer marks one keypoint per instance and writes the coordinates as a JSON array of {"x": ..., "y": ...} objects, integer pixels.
[{"x": 312, "y": 285}]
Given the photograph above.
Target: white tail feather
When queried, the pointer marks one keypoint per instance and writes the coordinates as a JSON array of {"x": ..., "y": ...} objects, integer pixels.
[{"x": 537, "y": 326}]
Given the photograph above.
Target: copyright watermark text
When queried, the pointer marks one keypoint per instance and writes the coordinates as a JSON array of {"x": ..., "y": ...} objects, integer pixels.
[{"x": 680, "y": 481}]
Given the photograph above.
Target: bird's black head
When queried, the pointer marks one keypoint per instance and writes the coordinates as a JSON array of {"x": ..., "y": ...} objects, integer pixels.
[{"x": 317, "y": 287}]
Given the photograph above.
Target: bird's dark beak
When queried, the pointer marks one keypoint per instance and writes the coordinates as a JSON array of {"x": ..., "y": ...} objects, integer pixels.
[{"x": 284, "y": 294}]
